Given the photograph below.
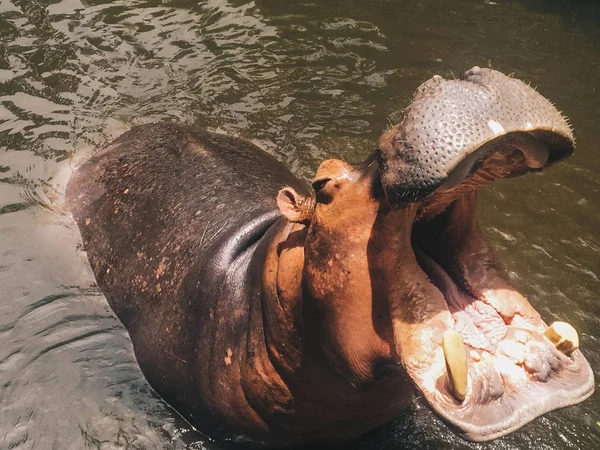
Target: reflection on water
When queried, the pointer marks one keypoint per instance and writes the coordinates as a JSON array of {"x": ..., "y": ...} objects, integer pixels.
[{"x": 307, "y": 81}]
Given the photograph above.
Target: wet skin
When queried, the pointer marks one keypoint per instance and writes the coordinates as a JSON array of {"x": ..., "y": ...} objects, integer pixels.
[{"x": 272, "y": 314}]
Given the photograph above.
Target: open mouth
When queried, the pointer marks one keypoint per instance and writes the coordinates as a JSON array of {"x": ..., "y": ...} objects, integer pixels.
[
  {"x": 498, "y": 365},
  {"x": 479, "y": 353}
]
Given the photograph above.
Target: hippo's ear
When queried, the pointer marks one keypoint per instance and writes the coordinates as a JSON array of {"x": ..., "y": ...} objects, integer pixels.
[{"x": 293, "y": 206}]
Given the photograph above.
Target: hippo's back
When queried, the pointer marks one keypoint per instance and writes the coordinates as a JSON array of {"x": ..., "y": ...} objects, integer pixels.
[{"x": 161, "y": 201}]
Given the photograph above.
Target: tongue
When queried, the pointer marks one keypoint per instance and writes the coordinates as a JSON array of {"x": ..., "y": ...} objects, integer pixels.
[{"x": 478, "y": 323}]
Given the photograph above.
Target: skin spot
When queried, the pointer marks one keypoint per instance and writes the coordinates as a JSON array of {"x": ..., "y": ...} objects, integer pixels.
[
  {"x": 197, "y": 147},
  {"x": 87, "y": 221},
  {"x": 227, "y": 358},
  {"x": 141, "y": 283},
  {"x": 162, "y": 267},
  {"x": 126, "y": 191}
]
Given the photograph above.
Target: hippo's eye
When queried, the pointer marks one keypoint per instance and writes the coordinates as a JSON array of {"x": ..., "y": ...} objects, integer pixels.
[{"x": 320, "y": 183}]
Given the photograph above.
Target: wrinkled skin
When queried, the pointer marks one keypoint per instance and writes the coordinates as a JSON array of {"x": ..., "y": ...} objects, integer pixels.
[{"x": 270, "y": 314}]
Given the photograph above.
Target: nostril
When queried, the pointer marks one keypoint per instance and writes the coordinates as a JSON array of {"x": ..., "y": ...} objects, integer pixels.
[{"x": 475, "y": 70}]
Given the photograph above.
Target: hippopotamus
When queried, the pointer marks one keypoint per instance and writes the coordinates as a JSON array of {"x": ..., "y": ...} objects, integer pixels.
[{"x": 270, "y": 312}]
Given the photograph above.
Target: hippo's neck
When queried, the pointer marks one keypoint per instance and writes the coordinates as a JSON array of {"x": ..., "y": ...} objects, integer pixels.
[
  {"x": 296, "y": 378},
  {"x": 275, "y": 321},
  {"x": 282, "y": 296}
]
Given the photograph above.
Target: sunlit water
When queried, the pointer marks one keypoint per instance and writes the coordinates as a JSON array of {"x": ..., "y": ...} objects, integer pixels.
[{"x": 306, "y": 81}]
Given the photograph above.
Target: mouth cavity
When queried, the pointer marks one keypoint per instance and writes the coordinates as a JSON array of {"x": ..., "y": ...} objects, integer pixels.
[{"x": 499, "y": 365}]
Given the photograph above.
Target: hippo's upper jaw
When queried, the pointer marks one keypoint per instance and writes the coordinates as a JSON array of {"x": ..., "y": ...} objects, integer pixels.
[
  {"x": 477, "y": 350},
  {"x": 451, "y": 125}
]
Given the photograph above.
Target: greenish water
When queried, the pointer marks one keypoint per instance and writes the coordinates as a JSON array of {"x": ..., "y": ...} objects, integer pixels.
[{"x": 307, "y": 81}]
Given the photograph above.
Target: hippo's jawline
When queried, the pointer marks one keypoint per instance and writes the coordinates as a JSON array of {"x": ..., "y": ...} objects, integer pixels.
[{"x": 515, "y": 373}]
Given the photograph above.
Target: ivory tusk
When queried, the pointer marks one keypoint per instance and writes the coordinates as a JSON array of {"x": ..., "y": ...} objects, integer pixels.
[
  {"x": 563, "y": 336},
  {"x": 456, "y": 363}
]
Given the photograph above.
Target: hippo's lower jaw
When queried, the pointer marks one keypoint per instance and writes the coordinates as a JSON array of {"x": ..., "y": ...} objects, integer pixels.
[{"x": 510, "y": 372}]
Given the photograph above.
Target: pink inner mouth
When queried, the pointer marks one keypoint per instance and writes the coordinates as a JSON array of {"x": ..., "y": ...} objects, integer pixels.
[
  {"x": 517, "y": 351},
  {"x": 515, "y": 373},
  {"x": 479, "y": 324},
  {"x": 498, "y": 326}
]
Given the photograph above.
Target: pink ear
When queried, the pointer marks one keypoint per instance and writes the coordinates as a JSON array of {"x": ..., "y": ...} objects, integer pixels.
[{"x": 293, "y": 206}]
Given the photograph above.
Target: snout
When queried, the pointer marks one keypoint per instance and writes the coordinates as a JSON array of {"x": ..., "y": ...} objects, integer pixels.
[{"x": 452, "y": 126}]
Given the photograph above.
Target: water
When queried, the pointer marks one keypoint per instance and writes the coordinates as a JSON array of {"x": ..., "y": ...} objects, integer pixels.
[{"x": 307, "y": 81}]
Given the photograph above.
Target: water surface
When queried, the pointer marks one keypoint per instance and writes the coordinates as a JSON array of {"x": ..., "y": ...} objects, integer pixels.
[{"x": 306, "y": 81}]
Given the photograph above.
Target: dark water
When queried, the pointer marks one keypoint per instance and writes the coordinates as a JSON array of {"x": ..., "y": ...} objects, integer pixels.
[{"x": 307, "y": 81}]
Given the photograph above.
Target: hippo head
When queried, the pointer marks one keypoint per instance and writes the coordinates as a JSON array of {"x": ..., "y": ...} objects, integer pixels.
[{"x": 401, "y": 279}]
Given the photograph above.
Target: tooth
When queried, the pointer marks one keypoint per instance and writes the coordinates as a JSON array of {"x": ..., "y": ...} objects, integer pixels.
[
  {"x": 521, "y": 336},
  {"x": 487, "y": 356},
  {"x": 508, "y": 370},
  {"x": 456, "y": 363},
  {"x": 513, "y": 350},
  {"x": 563, "y": 336}
]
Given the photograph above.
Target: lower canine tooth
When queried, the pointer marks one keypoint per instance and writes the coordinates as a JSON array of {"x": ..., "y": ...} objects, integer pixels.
[
  {"x": 563, "y": 336},
  {"x": 456, "y": 363}
]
